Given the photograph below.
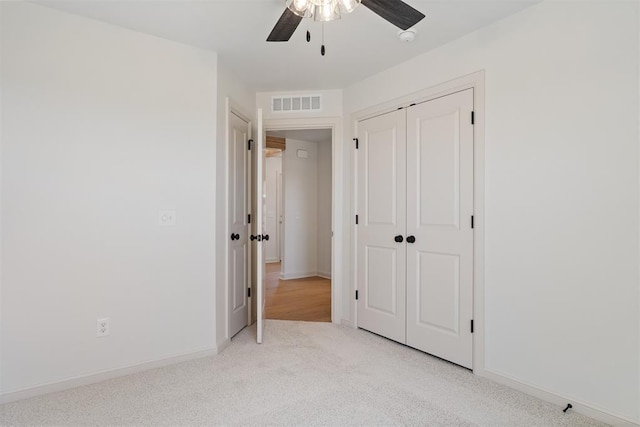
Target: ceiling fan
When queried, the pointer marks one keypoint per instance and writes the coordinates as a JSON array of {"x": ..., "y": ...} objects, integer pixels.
[{"x": 396, "y": 12}]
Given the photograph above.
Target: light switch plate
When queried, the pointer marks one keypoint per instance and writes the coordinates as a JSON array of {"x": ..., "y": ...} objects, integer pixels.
[{"x": 167, "y": 218}]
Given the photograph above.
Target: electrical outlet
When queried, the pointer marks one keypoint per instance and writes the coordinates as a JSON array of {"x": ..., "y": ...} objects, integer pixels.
[{"x": 103, "y": 327}]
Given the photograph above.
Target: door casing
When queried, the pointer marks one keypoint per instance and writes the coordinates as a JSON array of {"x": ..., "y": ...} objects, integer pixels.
[{"x": 338, "y": 243}]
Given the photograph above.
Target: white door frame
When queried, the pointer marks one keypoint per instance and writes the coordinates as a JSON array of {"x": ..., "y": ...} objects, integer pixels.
[
  {"x": 279, "y": 213},
  {"x": 274, "y": 234},
  {"x": 337, "y": 222},
  {"x": 477, "y": 82},
  {"x": 232, "y": 108}
]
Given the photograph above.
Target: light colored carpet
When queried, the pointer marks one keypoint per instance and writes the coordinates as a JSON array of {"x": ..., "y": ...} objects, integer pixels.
[{"x": 304, "y": 374}]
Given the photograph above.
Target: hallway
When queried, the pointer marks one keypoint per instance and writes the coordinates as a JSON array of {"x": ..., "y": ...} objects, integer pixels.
[{"x": 307, "y": 299}]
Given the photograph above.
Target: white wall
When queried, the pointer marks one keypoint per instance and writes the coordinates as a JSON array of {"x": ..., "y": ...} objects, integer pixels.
[
  {"x": 561, "y": 248},
  {"x": 324, "y": 208},
  {"x": 273, "y": 167},
  {"x": 300, "y": 182},
  {"x": 242, "y": 98},
  {"x": 101, "y": 128}
]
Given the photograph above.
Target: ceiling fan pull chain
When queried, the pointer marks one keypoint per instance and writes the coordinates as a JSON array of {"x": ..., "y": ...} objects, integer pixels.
[{"x": 322, "y": 49}]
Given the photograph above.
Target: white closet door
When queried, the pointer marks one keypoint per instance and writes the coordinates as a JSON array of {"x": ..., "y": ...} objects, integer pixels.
[
  {"x": 238, "y": 226},
  {"x": 439, "y": 210},
  {"x": 381, "y": 212}
]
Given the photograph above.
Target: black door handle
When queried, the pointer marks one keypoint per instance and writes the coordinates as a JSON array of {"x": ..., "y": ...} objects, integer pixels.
[
  {"x": 411, "y": 239},
  {"x": 235, "y": 236},
  {"x": 398, "y": 239},
  {"x": 252, "y": 237},
  {"x": 265, "y": 237}
]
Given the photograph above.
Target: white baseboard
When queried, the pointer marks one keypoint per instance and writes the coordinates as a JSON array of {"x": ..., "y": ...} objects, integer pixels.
[
  {"x": 348, "y": 323},
  {"x": 100, "y": 376},
  {"x": 222, "y": 345},
  {"x": 551, "y": 397},
  {"x": 324, "y": 275},
  {"x": 291, "y": 276}
]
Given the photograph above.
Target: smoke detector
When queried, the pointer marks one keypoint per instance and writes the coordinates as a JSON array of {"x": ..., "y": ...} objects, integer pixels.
[{"x": 407, "y": 36}]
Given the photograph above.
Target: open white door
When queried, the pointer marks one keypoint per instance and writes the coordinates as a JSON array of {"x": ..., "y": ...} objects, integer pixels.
[
  {"x": 259, "y": 226},
  {"x": 238, "y": 224}
]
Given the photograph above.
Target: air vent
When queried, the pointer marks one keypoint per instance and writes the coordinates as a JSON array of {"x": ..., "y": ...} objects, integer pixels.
[{"x": 296, "y": 104}]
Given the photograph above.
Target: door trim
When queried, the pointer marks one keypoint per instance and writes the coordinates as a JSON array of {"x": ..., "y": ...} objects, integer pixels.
[
  {"x": 232, "y": 108},
  {"x": 338, "y": 243},
  {"x": 474, "y": 81}
]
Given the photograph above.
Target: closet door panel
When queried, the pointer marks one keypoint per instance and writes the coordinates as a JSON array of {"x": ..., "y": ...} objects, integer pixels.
[
  {"x": 437, "y": 291},
  {"x": 381, "y": 261},
  {"x": 438, "y": 169},
  {"x": 439, "y": 209}
]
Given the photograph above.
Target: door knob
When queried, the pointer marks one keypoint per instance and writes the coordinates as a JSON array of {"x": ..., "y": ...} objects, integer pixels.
[
  {"x": 253, "y": 237},
  {"x": 398, "y": 239},
  {"x": 235, "y": 236},
  {"x": 411, "y": 239},
  {"x": 265, "y": 237}
]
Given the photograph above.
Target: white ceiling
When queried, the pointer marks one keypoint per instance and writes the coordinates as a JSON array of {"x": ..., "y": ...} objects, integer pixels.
[
  {"x": 309, "y": 135},
  {"x": 359, "y": 45}
]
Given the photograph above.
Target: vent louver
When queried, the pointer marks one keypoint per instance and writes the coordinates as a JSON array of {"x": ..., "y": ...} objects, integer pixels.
[{"x": 296, "y": 104}]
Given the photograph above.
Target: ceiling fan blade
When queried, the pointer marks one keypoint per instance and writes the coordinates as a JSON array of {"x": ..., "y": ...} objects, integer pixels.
[
  {"x": 397, "y": 12},
  {"x": 285, "y": 27}
]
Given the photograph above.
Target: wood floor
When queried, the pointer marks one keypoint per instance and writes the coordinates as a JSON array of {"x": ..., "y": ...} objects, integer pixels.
[{"x": 299, "y": 299}]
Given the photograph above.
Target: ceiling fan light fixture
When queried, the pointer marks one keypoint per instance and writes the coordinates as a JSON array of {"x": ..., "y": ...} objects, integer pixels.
[
  {"x": 348, "y": 6},
  {"x": 303, "y": 8},
  {"x": 322, "y": 10},
  {"x": 326, "y": 10}
]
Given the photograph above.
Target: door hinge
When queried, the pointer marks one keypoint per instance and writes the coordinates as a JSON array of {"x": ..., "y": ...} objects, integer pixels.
[
  {"x": 356, "y": 219},
  {"x": 248, "y": 292},
  {"x": 249, "y": 219},
  {"x": 471, "y": 325},
  {"x": 472, "y": 222},
  {"x": 357, "y": 142},
  {"x": 356, "y": 294},
  {"x": 473, "y": 117},
  {"x": 249, "y": 144}
]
